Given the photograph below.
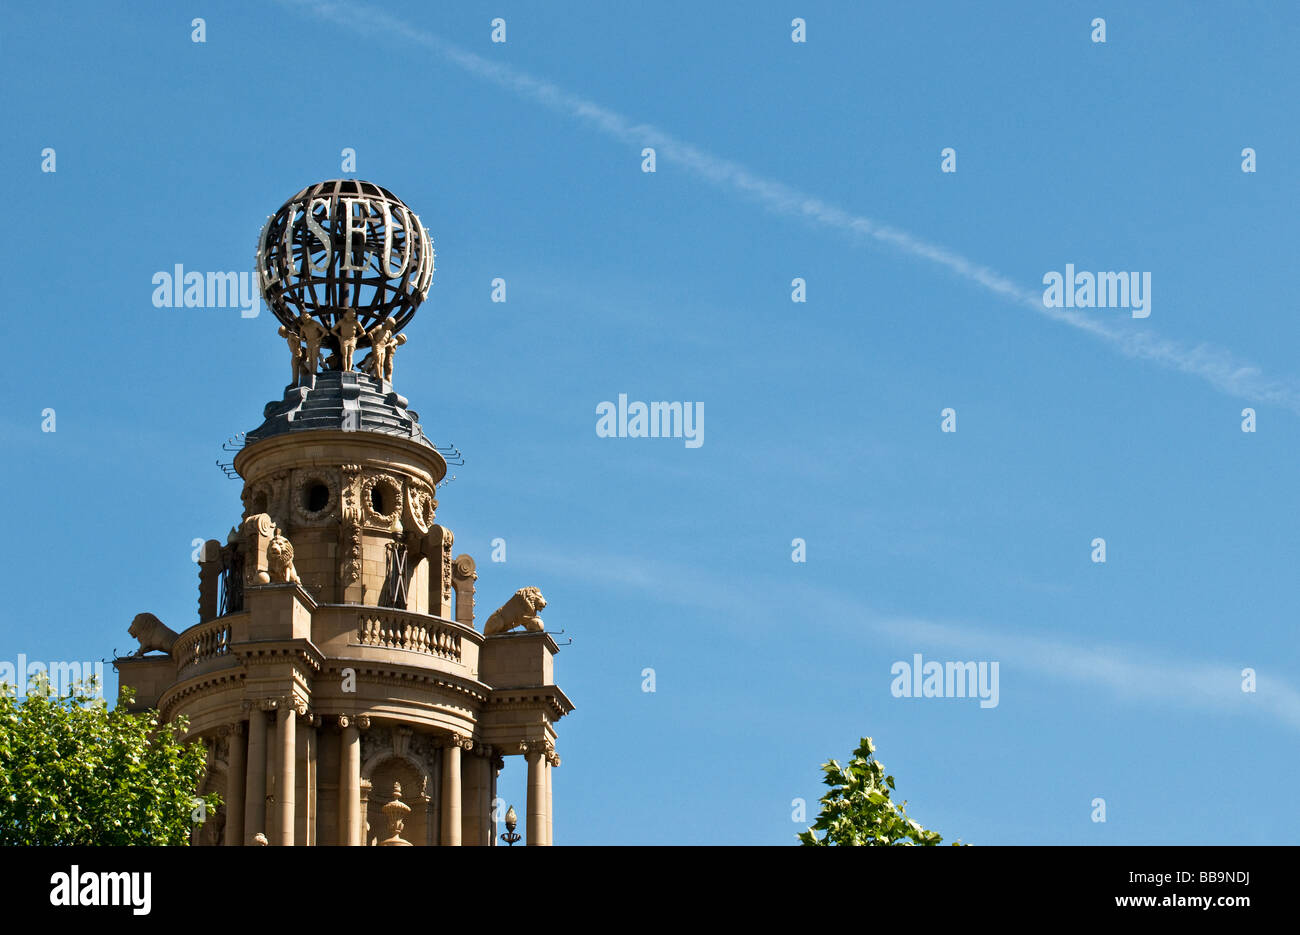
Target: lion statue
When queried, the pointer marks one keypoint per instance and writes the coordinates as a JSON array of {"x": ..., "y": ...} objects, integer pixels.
[
  {"x": 520, "y": 611},
  {"x": 152, "y": 634},
  {"x": 279, "y": 563}
]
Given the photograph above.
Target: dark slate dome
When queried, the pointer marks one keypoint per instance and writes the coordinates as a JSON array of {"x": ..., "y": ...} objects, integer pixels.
[{"x": 347, "y": 401}]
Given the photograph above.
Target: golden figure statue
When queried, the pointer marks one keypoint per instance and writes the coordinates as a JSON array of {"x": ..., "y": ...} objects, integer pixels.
[
  {"x": 349, "y": 332},
  {"x": 295, "y": 350},
  {"x": 313, "y": 334}
]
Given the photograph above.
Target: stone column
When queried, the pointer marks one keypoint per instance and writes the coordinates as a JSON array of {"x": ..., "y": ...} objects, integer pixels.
[
  {"x": 497, "y": 764},
  {"x": 235, "y": 779},
  {"x": 451, "y": 816},
  {"x": 486, "y": 754},
  {"x": 552, "y": 762},
  {"x": 534, "y": 751},
  {"x": 311, "y": 776},
  {"x": 255, "y": 789},
  {"x": 350, "y": 782},
  {"x": 287, "y": 734}
]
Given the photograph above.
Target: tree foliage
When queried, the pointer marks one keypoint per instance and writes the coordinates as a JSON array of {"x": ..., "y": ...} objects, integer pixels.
[
  {"x": 72, "y": 771},
  {"x": 858, "y": 808}
]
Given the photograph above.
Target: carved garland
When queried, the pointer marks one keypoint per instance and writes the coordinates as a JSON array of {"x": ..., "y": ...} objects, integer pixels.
[
  {"x": 389, "y": 487},
  {"x": 306, "y": 481},
  {"x": 420, "y": 506},
  {"x": 350, "y": 528}
]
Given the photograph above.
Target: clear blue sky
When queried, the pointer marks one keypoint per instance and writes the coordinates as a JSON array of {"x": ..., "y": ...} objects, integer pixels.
[{"x": 822, "y": 420}]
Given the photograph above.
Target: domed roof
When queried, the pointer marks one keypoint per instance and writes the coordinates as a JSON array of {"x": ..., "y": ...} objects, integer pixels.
[{"x": 343, "y": 401}]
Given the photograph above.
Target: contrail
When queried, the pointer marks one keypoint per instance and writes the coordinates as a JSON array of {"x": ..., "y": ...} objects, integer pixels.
[{"x": 1217, "y": 366}]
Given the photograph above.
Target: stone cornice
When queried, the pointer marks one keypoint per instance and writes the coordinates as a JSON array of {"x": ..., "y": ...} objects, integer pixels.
[
  {"x": 300, "y": 593},
  {"x": 548, "y": 697},
  {"x": 178, "y": 692}
]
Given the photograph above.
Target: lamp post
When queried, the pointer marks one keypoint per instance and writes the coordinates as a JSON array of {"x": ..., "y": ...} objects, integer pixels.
[{"x": 512, "y": 820}]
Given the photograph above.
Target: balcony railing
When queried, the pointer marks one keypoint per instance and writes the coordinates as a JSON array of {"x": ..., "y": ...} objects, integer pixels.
[
  {"x": 199, "y": 644},
  {"x": 396, "y": 630}
]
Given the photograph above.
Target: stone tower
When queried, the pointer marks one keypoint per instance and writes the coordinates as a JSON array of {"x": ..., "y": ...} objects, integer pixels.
[{"x": 335, "y": 668}]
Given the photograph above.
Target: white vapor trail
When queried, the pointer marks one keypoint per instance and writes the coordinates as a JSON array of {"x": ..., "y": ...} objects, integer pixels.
[{"x": 1217, "y": 366}]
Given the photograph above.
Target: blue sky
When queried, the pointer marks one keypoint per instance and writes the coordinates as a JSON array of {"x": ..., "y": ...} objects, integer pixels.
[{"x": 776, "y": 160}]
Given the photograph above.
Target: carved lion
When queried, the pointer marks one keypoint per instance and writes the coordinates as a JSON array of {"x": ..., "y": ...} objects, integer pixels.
[
  {"x": 279, "y": 562},
  {"x": 152, "y": 634},
  {"x": 520, "y": 611}
]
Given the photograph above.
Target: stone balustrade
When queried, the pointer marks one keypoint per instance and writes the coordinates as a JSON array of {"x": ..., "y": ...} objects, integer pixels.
[
  {"x": 396, "y": 629},
  {"x": 202, "y": 643}
]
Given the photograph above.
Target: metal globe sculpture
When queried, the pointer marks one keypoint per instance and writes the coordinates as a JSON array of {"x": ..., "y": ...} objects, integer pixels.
[{"x": 339, "y": 247}]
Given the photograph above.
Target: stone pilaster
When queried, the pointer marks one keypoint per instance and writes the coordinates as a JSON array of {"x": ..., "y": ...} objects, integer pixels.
[
  {"x": 451, "y": 789},
  {"x": 255, "y": 789},
  {"x": 536, "y": 752},
  {"x": 286, "y": 782},
  {"x": 350, "y": 832},
  {"x": 236, "y": 779}
]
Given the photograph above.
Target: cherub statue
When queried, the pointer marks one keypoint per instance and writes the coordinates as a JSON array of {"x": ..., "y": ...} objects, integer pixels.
[
  {"x": 349, "y": 331},
  {"x": 295, "y": 351}
]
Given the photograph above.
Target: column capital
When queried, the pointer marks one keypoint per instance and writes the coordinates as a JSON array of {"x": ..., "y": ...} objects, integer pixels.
[
  {"x": 553, "y": 759},
  {"x": 363, "y": 721},
  {"x": 460, "y": 740},
  {"x": 291, "y": 703},
  {"x": 532, "y": 748}
]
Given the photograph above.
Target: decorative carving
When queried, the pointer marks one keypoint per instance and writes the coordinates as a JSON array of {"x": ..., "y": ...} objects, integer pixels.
[
  {"x": 363, "y": 721},
  {"x": 152, "y": 634},
  {"x": 520, "y": 611},
  {"x": 395, "y": 812},
  {"x": 307, "y": 481},
  {"x": 279, "y": 563},
  {"x": 253, "y": 537},
  {"x": 420, "y": 507},
  {"x": 350, "y": 527},
  {"x": 532, "y": 748},
  {"x": 463, "y": 576},
  {"x": 390, "y": 495}
]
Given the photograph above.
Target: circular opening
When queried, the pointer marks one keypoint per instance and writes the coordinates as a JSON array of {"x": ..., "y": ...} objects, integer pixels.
[
  {"x": 377, "y": 500},
  {"x": 317, "y": 498}
]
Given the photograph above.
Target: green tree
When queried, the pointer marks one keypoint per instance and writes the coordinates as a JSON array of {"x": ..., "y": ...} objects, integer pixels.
[
  {"x": 858, "y": 809},
  {"x": 74, "y": 772}
]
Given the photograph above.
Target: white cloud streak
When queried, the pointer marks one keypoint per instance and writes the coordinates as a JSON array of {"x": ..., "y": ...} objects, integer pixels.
[
  {"x": 1128, "y": 674},
  {"x": 1216, "y": 366}
]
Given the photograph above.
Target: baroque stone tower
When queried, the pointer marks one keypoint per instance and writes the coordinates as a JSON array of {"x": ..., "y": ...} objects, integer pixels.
[{"x": 335, "y": 672}]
